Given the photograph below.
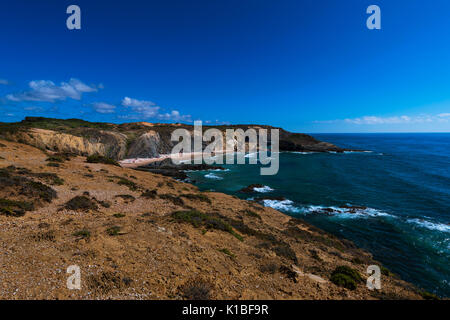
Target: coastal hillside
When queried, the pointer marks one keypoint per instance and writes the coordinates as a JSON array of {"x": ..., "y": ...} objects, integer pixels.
[
  {"x": 140, "y": 235},
  {"x": 125, "y": 141}
]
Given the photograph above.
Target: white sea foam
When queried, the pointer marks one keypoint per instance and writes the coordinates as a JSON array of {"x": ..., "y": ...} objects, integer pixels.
[
  {"x": 351, "y": 212},
  {"x": 209, "y": 170},
  {"x": 364, "y": 151},
  {"x": 430, "y": 225},
  {"x": 302, "y": 152},
  {"x": 213, "y": 176},
  {"x": 264, "y": 189},
  {"x": 283, "y": 205}
]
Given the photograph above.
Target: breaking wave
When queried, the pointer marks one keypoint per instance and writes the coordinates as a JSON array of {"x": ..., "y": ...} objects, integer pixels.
[
  {"x": 264, "y": 189},
  {"x": 213, "y": 176}
]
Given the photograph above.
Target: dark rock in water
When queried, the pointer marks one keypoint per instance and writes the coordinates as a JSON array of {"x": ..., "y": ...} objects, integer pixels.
[
  {"x": 177, "y": 171},
  {"x": 353, "y": 209},
  {"x": 347, "y": 208},
  {"x": 251, "y": 188}
]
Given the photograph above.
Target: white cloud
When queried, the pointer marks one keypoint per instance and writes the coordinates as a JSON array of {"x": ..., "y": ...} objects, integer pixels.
[
  {"x": 4, "y": 82},
  {"x": 130, "y": 102},
  {"x": 404, "y": 119},
  {"x": 147, "y": 109},
  {"x": 48, "y": 91},
  {"x": 175, "y": 116},
  {"x": 381, "y": 120},
  {"x": 102, "y": 107},
  {"x": 141, "y": 108}
]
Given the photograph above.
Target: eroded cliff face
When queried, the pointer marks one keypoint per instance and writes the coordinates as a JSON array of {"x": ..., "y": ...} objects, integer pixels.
[
  {"x": 110, "y": 144},
  {"x": 148, "y": 145}
]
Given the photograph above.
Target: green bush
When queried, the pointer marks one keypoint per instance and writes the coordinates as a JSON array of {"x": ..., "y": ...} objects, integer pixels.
[
  {"x": 81, "y": 203},
  {"x": 128, "y": 183},
  {"x": 101, "y": 159},
  {"x": 227, "y": 252},
  {"x": 113, "y": 231},
  {"x": 14, "y": 208},
  {"x": 55, "y": 159},
  {"x": 346, "y": 277},
  {"x": 82, "y": 233},
  {"x": 53, "y": 164},
  {"x": 118, "y": 215},
  {"x": 149, "y": 194}
]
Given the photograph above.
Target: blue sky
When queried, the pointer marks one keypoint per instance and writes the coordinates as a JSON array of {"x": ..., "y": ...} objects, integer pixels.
[{"x": 307, "y": 66}]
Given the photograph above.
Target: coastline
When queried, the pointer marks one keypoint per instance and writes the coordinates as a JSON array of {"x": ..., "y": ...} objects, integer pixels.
[{"x": 265, "y": 254}]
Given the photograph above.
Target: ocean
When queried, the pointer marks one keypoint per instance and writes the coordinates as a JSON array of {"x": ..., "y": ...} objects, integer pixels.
[{"x": 402, "y": 186}]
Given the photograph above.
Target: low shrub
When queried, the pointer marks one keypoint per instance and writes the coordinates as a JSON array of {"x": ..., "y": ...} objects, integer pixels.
[
  {"x": 270, "y": 268},
  {"x": 45, "y": 236},
  {"x": 53, "y": 164},
  {"x": 227, "y": 252},
  {"x": 81, "y": 203},
  {"x": 106, "y": 281},
  {"x": 174, "y": 199},
  {"x": 55, "y": 158},
  {"x": 251, "y": 213},
  {"x": 284, "y": 250},
  {"x": 128, "y": 183},
  {"x": 14, "y": 208},
  {"x": 197, "y": 289},
  {"x": 82, "y": 233},
  {"x": 50, "y": 178},
  {"x": 101, "y": 159},
  {"x": 104, "y": 203},
  {"x": 346, "y": 277},
  {"x": 149, "y": 194},
  {"x": 126, "y": 197},
  {"x": 197, "y": 196},
  {"x": 198, "y": 219},
  {"x": 113, "y": 231}
]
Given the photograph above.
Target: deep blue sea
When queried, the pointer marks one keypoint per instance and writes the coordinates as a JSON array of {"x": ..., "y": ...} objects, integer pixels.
[{"x": 404, "y": 181}]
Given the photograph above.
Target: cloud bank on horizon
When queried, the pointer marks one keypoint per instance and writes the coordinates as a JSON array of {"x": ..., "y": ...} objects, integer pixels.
[{"x": 374, "y": 120}]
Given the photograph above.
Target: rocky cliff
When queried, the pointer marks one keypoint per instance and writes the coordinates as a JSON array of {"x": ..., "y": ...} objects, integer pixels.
[{"x": 129, "y": 140}]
